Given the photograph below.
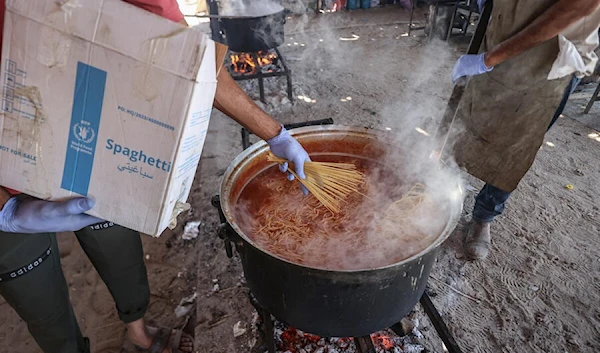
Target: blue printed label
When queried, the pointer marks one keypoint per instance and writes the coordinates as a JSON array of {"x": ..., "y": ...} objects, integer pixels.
[
  {"x": 85, "y": 121},
  {"x": 145, "y": 165}
]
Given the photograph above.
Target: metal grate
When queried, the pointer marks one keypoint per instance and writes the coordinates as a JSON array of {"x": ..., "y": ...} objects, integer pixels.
[{"x": 277, "y": 69}]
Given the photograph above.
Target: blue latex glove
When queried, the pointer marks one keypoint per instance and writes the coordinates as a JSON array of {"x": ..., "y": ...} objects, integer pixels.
[
  {"x": 285, "y": 146},
  {"x": 480, "y": 4},
  {"x": 37, "y": 216},
  {"x": 470, "y": 65}
]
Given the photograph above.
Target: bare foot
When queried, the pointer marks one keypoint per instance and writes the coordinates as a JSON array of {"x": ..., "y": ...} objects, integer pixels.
[{"x": 141, "y": 336}]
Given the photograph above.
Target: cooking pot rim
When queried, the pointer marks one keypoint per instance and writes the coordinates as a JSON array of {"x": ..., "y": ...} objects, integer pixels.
[
  {"x": 261, "y": 146},
  {"x": 240, "y": 17}
]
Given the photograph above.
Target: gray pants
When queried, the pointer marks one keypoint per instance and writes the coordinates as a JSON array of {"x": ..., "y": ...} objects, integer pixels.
[{"x": 41, "y": 298}]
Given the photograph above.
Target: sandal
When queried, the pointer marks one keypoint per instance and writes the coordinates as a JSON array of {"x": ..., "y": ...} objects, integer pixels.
[{"x": 162, "y": 340}]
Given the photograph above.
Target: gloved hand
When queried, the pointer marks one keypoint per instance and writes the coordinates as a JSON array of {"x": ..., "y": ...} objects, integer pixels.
[
  {"x": 480, "y": 4},
  {"x": 285, "y": 146},
  {"x": 470, "y": 65},
  {"x": 37, "y": 216}
]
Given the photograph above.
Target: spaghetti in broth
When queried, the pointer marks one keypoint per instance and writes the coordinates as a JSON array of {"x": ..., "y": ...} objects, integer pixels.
[{"x": 381, "y": 224}]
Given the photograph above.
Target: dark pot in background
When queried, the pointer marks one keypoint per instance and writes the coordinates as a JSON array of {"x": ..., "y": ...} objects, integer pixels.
[{"x": 250, "y": 34}]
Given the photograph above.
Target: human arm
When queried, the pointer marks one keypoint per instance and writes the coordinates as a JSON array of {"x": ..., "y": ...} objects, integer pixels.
[
  {"x": 164, "y": 8},
  {"x": 235, "y": 103},
  {"x": 229, "y": 97},
  {"x": 548, "y": 25}
]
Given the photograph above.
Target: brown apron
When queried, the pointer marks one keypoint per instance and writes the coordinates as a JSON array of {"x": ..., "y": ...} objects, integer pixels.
[{"x": 504, "y": 114}]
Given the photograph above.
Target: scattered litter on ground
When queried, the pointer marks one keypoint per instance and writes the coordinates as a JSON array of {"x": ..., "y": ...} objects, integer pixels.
[
  {"x": 185, "y": 305},
  {"x": 238, "y": 329},
  {"x": 191, "y": 230}
]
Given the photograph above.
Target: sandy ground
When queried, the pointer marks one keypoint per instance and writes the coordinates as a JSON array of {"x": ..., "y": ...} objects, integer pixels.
[{"x": 537, "y": 292}]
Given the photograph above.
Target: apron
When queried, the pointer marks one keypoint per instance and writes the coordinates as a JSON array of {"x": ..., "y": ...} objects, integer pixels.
[{"x": 504, "y": 114}]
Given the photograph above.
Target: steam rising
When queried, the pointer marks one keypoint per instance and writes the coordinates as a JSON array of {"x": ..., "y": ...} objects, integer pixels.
[
  {"x": 411, "y": 117},
  {"x": 410, "y": 121}
]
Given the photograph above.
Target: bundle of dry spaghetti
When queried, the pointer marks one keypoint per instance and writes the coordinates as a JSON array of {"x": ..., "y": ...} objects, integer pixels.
[{"x": 330, "y": 183}]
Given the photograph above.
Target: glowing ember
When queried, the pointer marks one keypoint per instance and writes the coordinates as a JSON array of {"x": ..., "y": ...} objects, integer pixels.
[
  {"x": 382, "y": 340},
  {"x": 247, "y": 63},
  {"x": 291, "y": 340}
]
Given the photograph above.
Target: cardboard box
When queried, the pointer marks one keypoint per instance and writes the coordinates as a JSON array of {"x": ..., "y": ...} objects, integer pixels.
[{"x": 103, "y": 99}]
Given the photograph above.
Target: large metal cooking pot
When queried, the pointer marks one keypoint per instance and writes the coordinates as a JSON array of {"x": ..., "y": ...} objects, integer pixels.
[
  {"x": 250, "y": 34},
  {"x": 324, "y": 302}
]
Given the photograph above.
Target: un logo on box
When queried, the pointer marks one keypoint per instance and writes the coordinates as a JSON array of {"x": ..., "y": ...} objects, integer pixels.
[{"x": 84, "y": 133}]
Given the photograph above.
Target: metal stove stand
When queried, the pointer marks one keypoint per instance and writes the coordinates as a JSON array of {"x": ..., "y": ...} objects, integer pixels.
[
  {"x": 283, "y": 71},
  {"x": 363, "y": 344}
]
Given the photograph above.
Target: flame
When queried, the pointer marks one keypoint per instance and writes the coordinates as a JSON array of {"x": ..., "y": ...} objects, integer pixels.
[
  {"x": 244, "y": 63},
  {"x": 264, "y": 60}
]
